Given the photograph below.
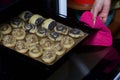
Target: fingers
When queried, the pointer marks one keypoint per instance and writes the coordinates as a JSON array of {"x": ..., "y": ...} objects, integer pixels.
[
  {"x": 101, "y": 9},
  {"x": 103, "y": 16},
  {"x": 104, "y": 12},
  {"x": 94, "y": 12},
  {"x": 97, "y": 6}
]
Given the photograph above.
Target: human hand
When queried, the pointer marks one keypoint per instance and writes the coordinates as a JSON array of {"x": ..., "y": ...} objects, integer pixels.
[{"x": 101, "y": 8}]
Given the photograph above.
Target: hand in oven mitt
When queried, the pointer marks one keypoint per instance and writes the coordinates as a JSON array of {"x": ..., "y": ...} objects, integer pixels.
[{"x": 102, "y": 36}]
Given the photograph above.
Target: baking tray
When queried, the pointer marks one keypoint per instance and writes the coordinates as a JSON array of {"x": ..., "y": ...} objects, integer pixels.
[
  {"x": 35, "y": 41},
  {"x": 15, "y": 59}
]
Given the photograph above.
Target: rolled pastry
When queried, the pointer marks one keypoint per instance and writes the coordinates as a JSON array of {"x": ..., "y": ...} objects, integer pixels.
[
  {"x": 30, "y": 28},
  {"x": 36, "y": 19},
  {"x": 17, "y": 22},
  {"x": 60, "y": 28},
  {"x": 46, "y": 43},
  {"x": 59, "y": 49},
  {"x": 55, "y": 36},
  {"x": 21, "y": 46},
  {"x": 25, "y": 15},
  {"x": 67, "y": 42},
  {"x": 76, "y": 33},
  {"x": 31, "y": 39},
  {"x": 49, "y": 56},
  {"x": 49, "y": 24},
  {"x": 42, "y": 32},
  {"x": 5, "y": 28},
  {"x": 35, "y": 51},
  {"x": 19, "y": 33},
  {"x": 9, "y": 41}
]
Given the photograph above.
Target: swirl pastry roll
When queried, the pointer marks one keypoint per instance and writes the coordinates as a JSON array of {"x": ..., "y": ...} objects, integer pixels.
[
  {"x": 25, "y": 16},
  {"x": 49, "y": 24},
  {"x": 76, "y": 33},
  {"x": 16, "y": 22},
  {"x": 19, "y": 33},
  {"x": 35, "y": 51},
  {"x": 61, "y": 29},
  {"x": 49, "y": 56},
  {"x": 36, "y": 19},
  {"x": 42, "y": 32},
  {"x": 9, "y": 41},
  {"x": 46, "y": 43},
  {"x": 5, "y": 28},
  {"x": 54, "y": 36},
  {"x": 21, "y": 46},
  {"x": 59, "y": 49},
  {"x": 67, "y": 42},
  {"x": 30, "y": 27},
  {"x": 31, "y": 39}
]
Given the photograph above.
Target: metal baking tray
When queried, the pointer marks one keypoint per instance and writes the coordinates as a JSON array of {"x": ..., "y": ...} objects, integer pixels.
[
  {"x": 27, "y": 51},
  {"x": 15, "y": 59}
]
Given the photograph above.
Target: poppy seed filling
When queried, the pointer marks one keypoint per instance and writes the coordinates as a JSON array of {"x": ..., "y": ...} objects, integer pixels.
[
  {"x": 38, "y": 21},
  {"x": 75, "y": 31},
  {"x": 27, "y": 15},
  {"x": 52, "y": 25},
  {"x": 54, "y": 35}
]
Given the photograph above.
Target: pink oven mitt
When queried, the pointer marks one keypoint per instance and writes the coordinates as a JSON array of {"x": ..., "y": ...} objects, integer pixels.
[{"x": 102, "y": 37}]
